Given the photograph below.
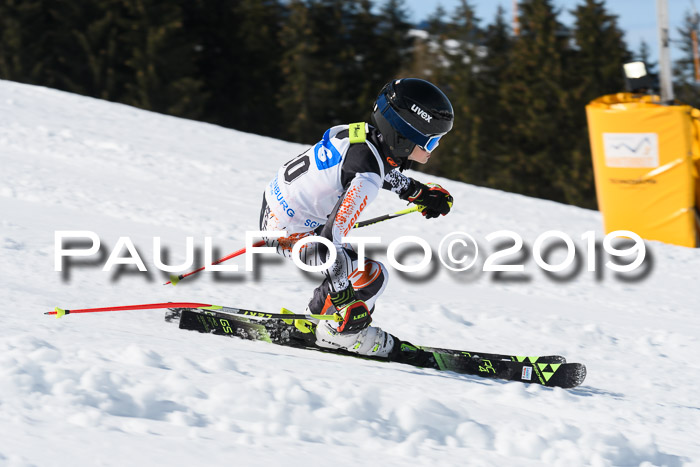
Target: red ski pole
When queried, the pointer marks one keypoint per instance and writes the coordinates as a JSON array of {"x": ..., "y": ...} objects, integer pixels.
[
  {"x": 151, "y": 306},
  {"x": 284, "y": 315},
  {"x": 175, "y": 279}
]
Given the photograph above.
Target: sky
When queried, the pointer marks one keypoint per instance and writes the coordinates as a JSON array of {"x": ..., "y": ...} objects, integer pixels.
[{"x": 637, "y": 18}]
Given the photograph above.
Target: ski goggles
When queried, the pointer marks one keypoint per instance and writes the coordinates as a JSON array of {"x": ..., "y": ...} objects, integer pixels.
[{"x": 426, "y": 142}]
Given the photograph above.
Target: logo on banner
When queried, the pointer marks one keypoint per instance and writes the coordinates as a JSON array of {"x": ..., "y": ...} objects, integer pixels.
[{"x": 631, "y": 150}]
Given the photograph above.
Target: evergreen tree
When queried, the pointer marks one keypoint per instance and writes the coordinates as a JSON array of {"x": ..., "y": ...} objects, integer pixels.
[
  {"x": 20, "y": 53},
  {"x": 32, "y": 35},
  {"x": 333, "y": 63},
  {"x": 257, "y": 70},
  {"x": 426, "y": 56},
  {"x": 363, "y": 63},
  {"x": 381, "y": 45},
  {"x": 456, "y": 74},
  {"x": 686, "y": 89},
  {"x": 161, "y": 60},
  {"x": 336, "y": 88},
  {"x": 210, "y": 27},
  {"x": 519, "y": 102},
  {"x": 537, "y": 99},
  {"x": 236, "y": 51},
  {"x": 498, "y": 44},
  {"x": 90, "y": 48},
  {"x": 77, "y": 47},
  {"x": 298, "y": 100},
  {"x": 395, "y": 43},
  {"x": 600, "y": 53},
  {"x": 645, "y": 55},
  {"x": 437, "y": 26},
  {"x": 595, "y": 70}
]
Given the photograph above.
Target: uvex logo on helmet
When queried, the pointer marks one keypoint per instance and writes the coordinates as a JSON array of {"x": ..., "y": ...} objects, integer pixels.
[{"x": 423, "y": 114}]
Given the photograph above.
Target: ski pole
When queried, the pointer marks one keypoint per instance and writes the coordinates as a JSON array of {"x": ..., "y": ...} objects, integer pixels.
[
  {"x": 60, "y": 312},
  {"x": 385, "y": 217},
  {"x": 175, "y": 279},
  {"x": 261, "y": 314}
]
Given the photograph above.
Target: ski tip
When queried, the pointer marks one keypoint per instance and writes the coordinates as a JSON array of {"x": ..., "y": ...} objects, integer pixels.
[{"x": 574, "y": 376}]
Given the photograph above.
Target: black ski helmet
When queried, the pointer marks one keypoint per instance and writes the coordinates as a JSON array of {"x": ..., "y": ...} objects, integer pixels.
[{"x": 410, "y": 112}]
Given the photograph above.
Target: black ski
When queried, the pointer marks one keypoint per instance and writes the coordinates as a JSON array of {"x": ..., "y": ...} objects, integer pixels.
[
  {"x": 537, "y": 370},
  {"x": 498, "y": 356},
  {"x": 174, "y": 313}
]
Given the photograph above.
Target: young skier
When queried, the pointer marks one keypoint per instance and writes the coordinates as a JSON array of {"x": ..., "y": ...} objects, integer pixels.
[{"x": 323, "y": 191}]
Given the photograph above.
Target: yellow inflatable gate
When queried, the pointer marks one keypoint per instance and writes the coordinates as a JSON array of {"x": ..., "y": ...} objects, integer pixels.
[{"x": 646, "y": 159}]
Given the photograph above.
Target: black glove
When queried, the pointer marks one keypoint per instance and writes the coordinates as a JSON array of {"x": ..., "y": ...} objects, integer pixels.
[
  {"x": 354, "y": 312},
  {"x": 432, "y": 196}
]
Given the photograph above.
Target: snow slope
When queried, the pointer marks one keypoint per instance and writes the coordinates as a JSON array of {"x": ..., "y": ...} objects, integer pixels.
[{"x": 125, "y": 388}]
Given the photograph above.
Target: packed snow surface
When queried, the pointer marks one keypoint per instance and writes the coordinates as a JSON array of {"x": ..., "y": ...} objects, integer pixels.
[{"x": 126, "y": 388}]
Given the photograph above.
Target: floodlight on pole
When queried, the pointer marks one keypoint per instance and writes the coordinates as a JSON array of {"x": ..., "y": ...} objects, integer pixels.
[{"x": 637, "y": 78}]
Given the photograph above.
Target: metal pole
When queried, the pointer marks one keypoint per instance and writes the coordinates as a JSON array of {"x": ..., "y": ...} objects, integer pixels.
[{"x": 664, "y": 52}]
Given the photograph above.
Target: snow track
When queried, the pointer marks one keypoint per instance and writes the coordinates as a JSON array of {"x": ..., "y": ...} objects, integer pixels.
[{"x": 126, "y": 388}]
